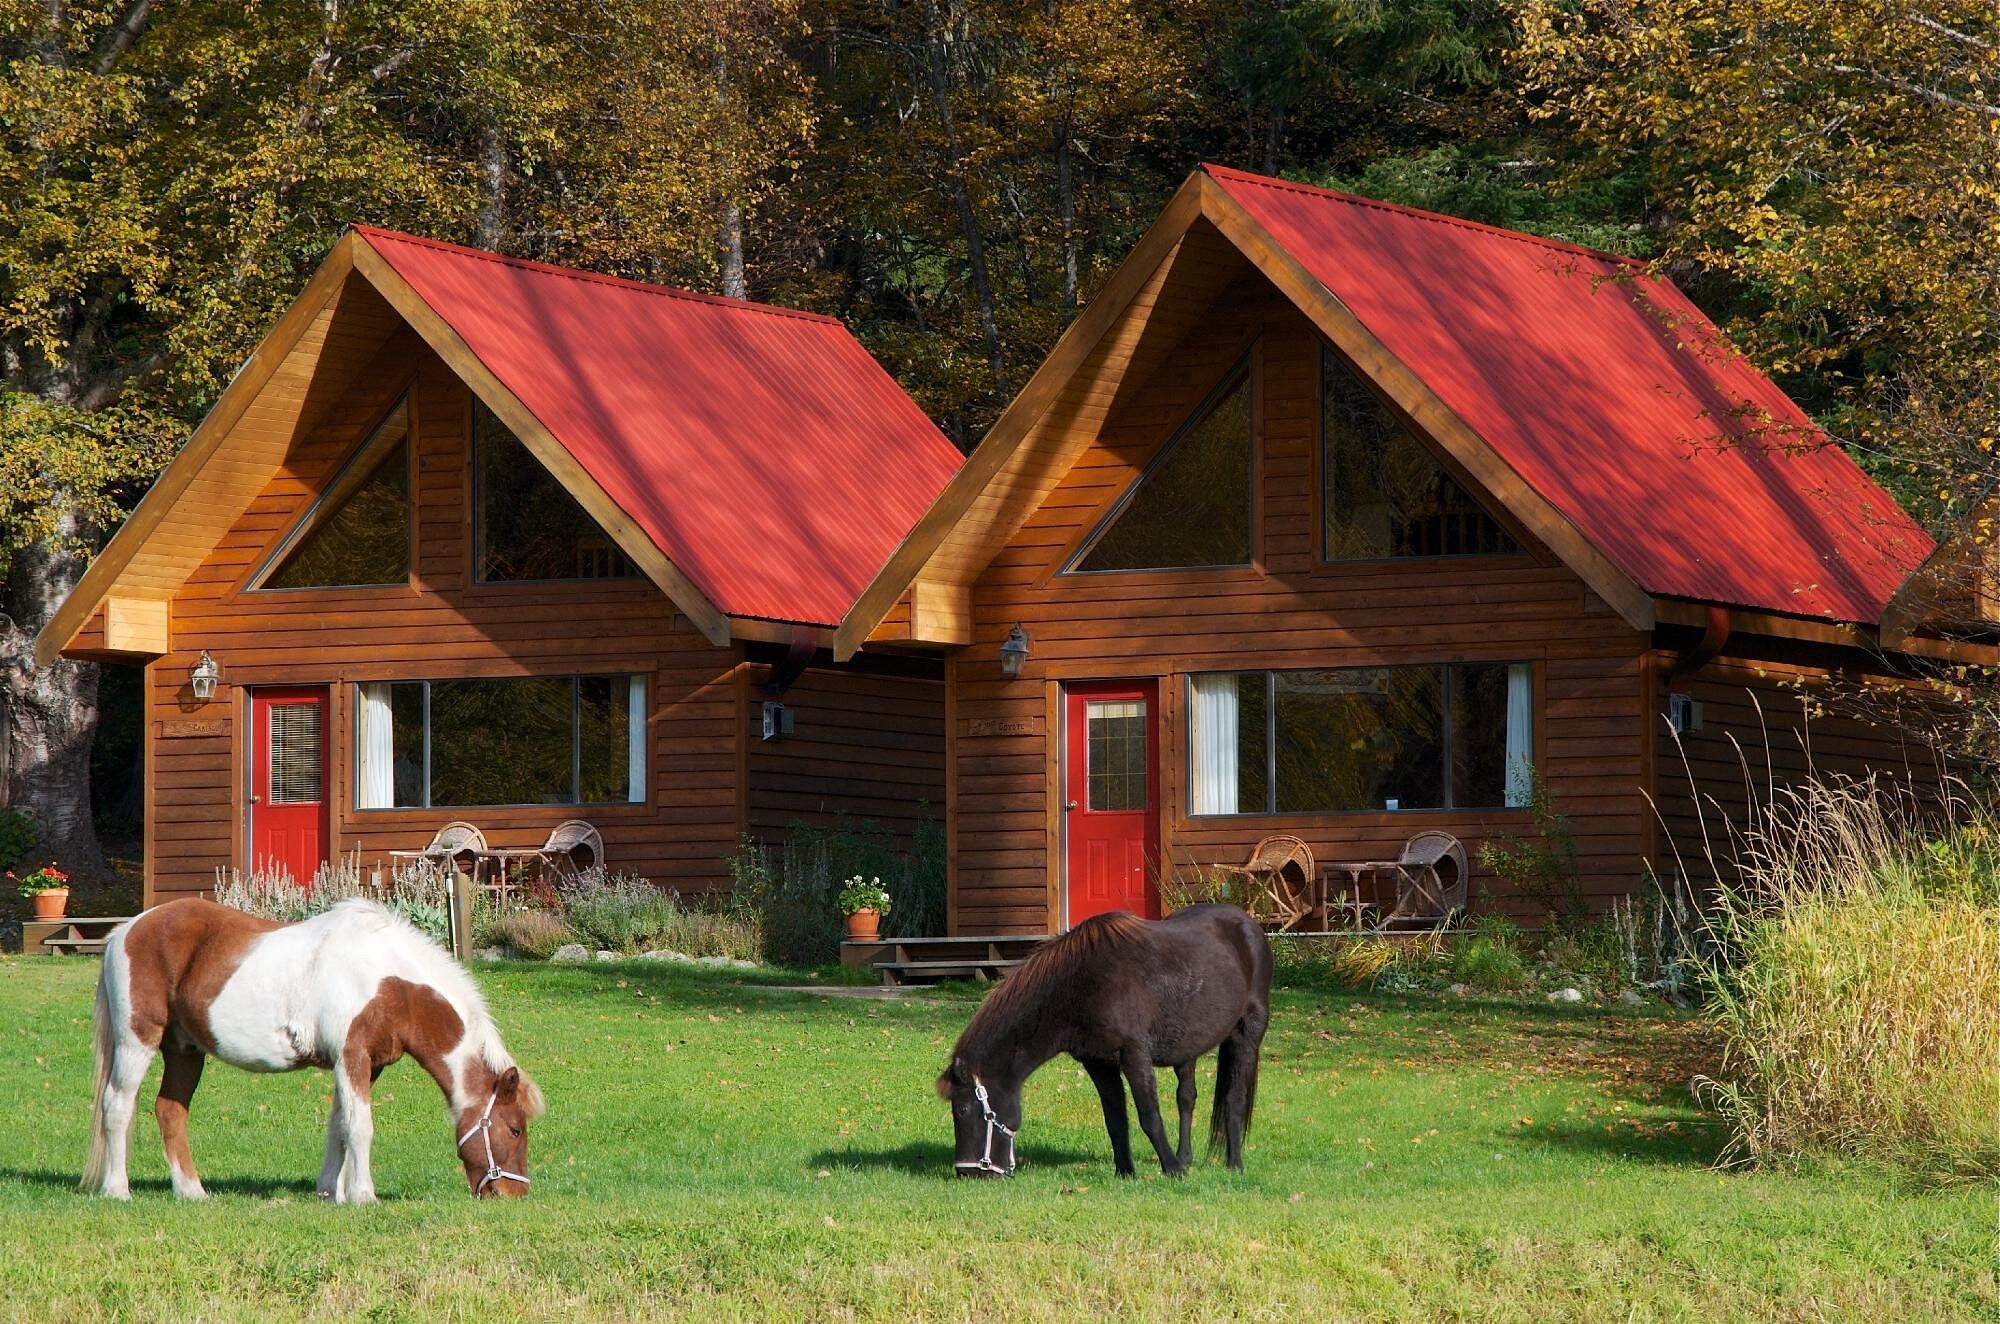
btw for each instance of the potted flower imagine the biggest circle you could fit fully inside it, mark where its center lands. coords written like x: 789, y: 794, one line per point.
x: 48, y: 888
x: 864, y: 902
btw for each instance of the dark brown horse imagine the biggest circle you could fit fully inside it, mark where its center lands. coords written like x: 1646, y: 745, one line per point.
x: 1122, y: 996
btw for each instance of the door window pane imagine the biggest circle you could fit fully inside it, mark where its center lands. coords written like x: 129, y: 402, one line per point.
x: 1191, y: 507
x: 526, y: 525
x: 1479, y: 697
x: 296, y: 759
x: 365, y: 537
x: 603, y: 738
x: 1384, y: 493
x: 1115, y: 740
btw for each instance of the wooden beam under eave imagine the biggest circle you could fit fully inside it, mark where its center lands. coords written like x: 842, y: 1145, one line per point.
x: 940, y: 613
x: 635, y: 542
x: 136, y: 627
x: 1423, y: 407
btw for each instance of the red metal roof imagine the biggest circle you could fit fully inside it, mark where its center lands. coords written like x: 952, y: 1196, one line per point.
x: 1612, y: 396
x: 763, y: 450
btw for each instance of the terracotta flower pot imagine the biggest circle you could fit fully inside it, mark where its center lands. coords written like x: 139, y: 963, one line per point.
x: 52, y: 903
x: 864, y: 925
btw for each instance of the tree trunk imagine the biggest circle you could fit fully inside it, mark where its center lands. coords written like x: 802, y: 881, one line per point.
x: 731, y: 241
x: 961, y: 195
x: 1066, y: 203
x: 493, y: 160
x: 50, y: 714
x: 1274, y: 136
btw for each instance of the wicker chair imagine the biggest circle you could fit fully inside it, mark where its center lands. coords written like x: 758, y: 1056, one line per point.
x: 1431, y: 878
x: 570, y: 839
x: 451, y: 841
x: 1278, y: 881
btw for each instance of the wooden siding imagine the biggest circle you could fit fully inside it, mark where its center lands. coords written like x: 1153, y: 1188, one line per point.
x: 439, y: 625
x: 867, y: 749
x: 1763, y: 729
x: 1289, y: 611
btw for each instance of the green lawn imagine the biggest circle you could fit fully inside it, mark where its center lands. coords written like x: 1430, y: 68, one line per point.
x: 718, y: 1150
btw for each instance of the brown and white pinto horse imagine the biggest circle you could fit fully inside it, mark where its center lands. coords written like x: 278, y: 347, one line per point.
x: 351, y: 990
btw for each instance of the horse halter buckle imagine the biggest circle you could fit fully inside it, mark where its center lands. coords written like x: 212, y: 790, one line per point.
x: 484, y: 1128
x: 985, y: 1161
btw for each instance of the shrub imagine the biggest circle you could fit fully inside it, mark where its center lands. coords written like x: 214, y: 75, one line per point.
x: 1861, y: 1013
x: 1490, y: 958
x: 1199, y: 884
x: 1542, y: 867
x: 533, y: 933
x: 796, y: 894
x: 418, y: 891
x: 624, y: 913
x: 17, y: 835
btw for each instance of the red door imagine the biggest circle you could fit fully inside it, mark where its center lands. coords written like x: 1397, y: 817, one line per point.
x: 1111, y: 797
x: 288, y: 780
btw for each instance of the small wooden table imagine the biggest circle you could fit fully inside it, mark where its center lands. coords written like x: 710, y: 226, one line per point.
x: 501, y: 859
x: 1353, y: 872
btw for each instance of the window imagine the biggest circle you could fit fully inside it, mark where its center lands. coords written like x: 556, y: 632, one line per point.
x: 358, y: 531
x: 1118, y: 772
x: 1383, y: 493
x: 513, y: 741
x: 1306, y: 742
x: 526, y: 525
x: 1191, y: 506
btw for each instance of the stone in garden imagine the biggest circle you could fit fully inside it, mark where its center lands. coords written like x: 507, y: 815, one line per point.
x: 1630, y: 998
x: 570, y: 953
x: 713, y: 960
x: 607, y: 956
x: 1565, y: 995
x: 1460, y: 990
x: 740, y: 964
x: 490, y: 954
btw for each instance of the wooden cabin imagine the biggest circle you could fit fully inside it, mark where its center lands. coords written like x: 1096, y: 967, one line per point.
x: 470, y: 538
x: 1334, y: 518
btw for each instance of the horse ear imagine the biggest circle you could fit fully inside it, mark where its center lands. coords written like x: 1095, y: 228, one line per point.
x: 509, y: 1086
x: 944, y: 1086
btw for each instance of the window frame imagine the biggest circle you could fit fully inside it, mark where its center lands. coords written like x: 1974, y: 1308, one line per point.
x: 475, y: 520
x: 575, y: 744
x: 1445, y: 743
x: 1243, y: 371
x: 1326, y: 562
x: 315, y: 515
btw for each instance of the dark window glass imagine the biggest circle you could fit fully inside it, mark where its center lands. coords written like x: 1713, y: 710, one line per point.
x: 365, y: 537
x: 1354, y: 739
x: 525, y: 524
x: 1359, y: 739
x: 603, y: 737
x: 501, y: 742
x: 1385, y: 494
x: 406, y: 721
x: 1191, y: 507
x: 1117, y: 753
x: 1478, y: 735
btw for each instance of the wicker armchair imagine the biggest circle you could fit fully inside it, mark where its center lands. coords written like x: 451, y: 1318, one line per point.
x: 1278, y: 881
x: 1431, y: 878
x: 451, y: 841
x: 571, y: 839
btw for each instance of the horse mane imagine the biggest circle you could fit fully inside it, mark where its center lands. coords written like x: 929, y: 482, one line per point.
x: 436, y: 967
x: 1054, y: 964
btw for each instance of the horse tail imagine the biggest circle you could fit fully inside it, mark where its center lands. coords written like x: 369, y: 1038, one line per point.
x: 104, y: 1044
x: 1235, y: 1069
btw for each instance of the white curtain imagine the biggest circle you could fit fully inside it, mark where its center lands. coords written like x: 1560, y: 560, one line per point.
x: 635, y: 742
x: 1212, y: 743
x: 1520, y: 733
x: 375, y: 749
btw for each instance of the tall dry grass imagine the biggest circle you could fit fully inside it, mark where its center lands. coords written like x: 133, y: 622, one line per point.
x: 1859, y: 994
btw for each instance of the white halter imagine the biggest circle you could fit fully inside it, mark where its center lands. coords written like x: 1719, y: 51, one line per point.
x: 985, y: 1161
x: 484, y: 1127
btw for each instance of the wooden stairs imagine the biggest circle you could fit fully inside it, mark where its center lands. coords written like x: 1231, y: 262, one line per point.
x: 934, y: 960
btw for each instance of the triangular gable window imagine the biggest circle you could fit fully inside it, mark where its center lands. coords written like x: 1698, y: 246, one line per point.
x: 526, y: 525
x: 358, y: 532
x: 1384, y: 493
x: 1191, y: 507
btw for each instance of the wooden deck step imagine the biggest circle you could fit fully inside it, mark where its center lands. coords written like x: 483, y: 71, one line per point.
x: 68, y: 937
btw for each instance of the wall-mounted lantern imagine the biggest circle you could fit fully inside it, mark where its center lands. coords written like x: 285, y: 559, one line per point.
x: 203, y: 677
x: 1014, y: 651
